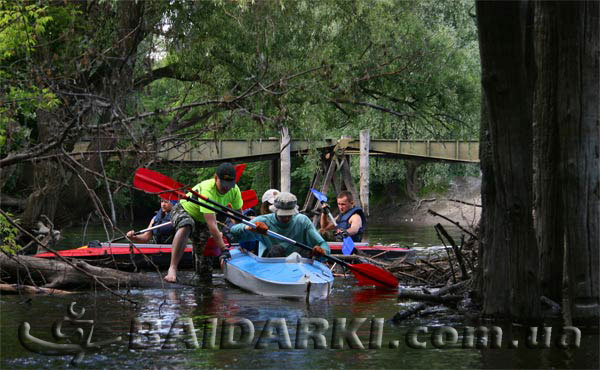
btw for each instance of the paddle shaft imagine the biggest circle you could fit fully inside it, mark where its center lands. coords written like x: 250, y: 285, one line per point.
x: 140, y: 232
x: 328, y: 211
x: 243, y: 219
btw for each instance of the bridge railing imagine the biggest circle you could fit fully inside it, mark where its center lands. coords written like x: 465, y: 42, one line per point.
x: 210, y: 150
x: 207, y: 152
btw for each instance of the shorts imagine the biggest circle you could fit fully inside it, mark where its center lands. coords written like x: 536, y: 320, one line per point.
x: 199, y: 234
x: 180, y: 218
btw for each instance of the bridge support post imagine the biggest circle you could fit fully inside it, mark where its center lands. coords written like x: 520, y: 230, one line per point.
x: 286, y: 161
x: 365, y: 143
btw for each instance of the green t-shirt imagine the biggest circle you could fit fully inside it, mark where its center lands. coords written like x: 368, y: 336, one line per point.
x: 208, y: 188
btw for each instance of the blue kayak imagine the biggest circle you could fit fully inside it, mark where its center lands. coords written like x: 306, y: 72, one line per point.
x: 287, y: 277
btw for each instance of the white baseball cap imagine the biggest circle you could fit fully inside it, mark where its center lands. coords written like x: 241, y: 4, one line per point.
x: 270, y: 195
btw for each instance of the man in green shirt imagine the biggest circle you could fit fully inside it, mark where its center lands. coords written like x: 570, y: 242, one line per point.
x: 285, y: 220
x: 198, y: 223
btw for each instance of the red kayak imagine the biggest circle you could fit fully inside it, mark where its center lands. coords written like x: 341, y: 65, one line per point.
x: 127, y: 256
x: 378, y: 250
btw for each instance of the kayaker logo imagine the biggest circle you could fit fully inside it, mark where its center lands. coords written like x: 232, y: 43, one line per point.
x: 77, y: 344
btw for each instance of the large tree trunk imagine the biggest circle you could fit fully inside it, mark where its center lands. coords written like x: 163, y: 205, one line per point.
x: 55, y: 192
x: 510, y: 271
x: 49, y: 176
x: 488, y: 195
x: 546, y: 153
x: 577, y: 106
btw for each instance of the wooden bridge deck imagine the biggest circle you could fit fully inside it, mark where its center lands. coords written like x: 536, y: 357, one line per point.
x: 210, y: 151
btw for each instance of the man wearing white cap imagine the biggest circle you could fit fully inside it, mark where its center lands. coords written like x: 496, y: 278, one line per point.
x: 287, y: 221
x: 268, y: 199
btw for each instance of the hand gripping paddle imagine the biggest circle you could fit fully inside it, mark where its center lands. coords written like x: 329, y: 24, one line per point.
x: 348, y: 245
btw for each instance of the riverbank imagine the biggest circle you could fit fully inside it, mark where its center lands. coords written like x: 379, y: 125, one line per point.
x: 394, y: 209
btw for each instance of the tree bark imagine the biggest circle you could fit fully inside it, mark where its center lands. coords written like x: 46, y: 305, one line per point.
x: 30, y: 290
x: 488, y: 194
x: 546, y: 153
x: 510, y: 270
x: 49, y: 177
x: 577, y: 105
x: 57, y: 274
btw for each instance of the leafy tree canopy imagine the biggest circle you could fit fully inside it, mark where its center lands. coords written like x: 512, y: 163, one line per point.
x: 153, y: 71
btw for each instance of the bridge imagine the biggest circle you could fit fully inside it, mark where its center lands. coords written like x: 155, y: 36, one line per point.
x: 204, y: 153
x: 335, y: 158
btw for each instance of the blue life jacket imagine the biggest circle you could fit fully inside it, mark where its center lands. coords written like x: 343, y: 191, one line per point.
x: 342, y: 221
x: 163, y: 235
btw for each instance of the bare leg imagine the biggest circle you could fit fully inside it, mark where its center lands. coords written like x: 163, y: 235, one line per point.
x: 177, y: 250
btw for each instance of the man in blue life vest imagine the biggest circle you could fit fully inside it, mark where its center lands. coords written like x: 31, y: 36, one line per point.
x: 162, y: 235
x: 351, y: 220
x: 199, y: 223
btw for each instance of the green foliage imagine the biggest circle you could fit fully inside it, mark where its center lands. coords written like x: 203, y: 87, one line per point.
x: 8, y: 236
x: 310, y: 56
x: 20, y: 23
x: 25, y: 29
x: 241, y: 69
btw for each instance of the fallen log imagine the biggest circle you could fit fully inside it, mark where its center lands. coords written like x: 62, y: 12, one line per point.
x: 430, y: 297
x: 58, y: 274
x: 31, y: 290
x: 401, y: 315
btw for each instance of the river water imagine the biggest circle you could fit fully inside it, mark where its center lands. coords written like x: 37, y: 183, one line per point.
x: 167, y: 314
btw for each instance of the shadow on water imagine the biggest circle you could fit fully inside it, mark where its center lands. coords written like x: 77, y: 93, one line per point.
x: 160, y: 309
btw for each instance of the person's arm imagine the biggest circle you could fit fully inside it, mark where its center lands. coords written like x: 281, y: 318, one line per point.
x: 241, y: 232
x: 238, y: 231
x: 142, y: 238
x: 211, y: 223
x: 355, y: 224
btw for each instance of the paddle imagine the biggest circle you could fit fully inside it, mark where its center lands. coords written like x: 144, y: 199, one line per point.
x: 348, y: 245
x: 250, y: 198
x: 154, y: 182
x: 239, y: 170
x: 140, y: 232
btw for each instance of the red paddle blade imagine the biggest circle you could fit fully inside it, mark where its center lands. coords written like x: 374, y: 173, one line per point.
x: 372, y: 275
x: 239, y: 170
x: 250, y: 198
x: 157, y: 183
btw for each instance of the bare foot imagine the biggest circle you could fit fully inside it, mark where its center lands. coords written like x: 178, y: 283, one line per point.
x: 171, y: 276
